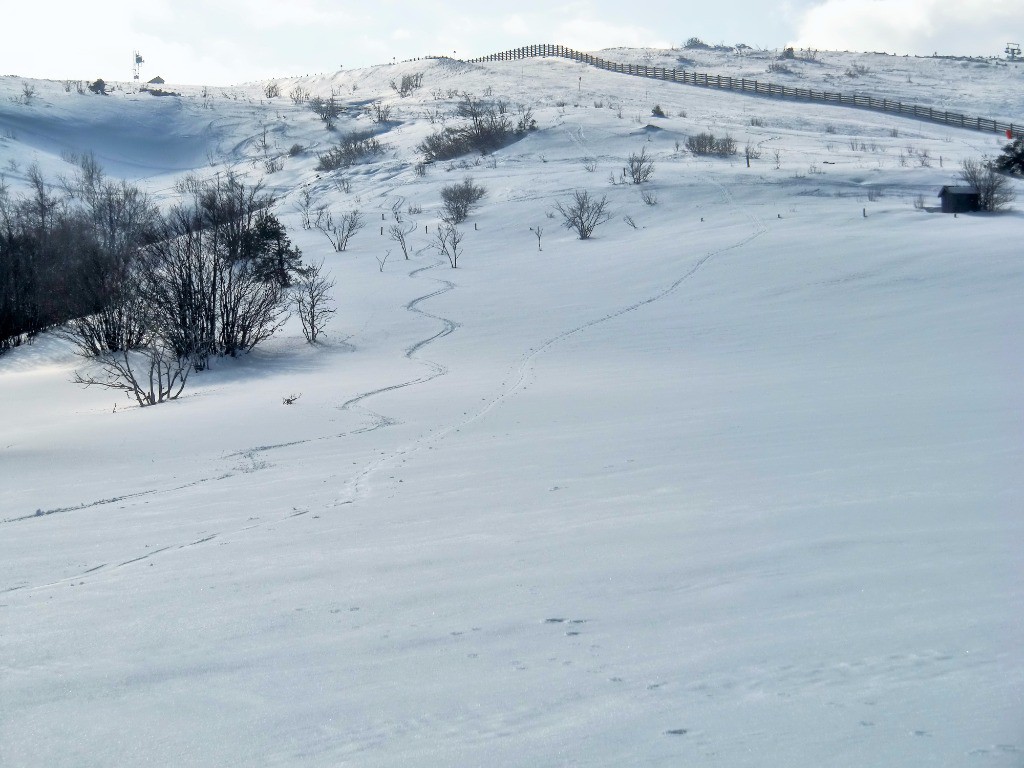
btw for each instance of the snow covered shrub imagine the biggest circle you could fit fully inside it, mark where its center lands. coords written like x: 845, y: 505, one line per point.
x: 641, y: 167
x: 657, y: 111
x: 328, y: 110
x: 408, y: 85
x: 584, y: 213
x: 996, y: 189
x: 98, y: 86
x: 707, y: 144
x: 459, y: 200
x: 351, y: 148
x: 490, y: 127
x: 271, y: 90
x: 379, y: 112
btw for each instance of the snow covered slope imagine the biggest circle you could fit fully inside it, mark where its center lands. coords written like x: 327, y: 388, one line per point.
x: 734, y: 483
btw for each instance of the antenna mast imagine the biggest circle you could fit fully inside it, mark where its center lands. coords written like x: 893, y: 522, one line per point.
x: 136, y: 64
x: 1013, y: 50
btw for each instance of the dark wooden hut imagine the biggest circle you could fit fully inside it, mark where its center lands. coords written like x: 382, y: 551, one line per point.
x: 960, y: 199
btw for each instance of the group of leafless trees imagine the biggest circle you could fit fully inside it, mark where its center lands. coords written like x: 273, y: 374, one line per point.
x: 148, y: 296
x: 64, y: 250
x: 488, y: 126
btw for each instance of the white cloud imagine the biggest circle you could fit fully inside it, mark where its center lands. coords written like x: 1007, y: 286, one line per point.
x: 976, y: 27
x: 590, y: 33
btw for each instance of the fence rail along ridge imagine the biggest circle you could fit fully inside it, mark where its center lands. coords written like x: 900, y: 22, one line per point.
x: 743, y: 85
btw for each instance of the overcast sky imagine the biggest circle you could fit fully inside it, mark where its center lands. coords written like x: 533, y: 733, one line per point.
x: 220, y: 42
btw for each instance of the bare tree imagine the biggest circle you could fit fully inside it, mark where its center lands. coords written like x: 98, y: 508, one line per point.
x: 341, y: 232
x: 151, y: 375
x: 313, y: 301
x: 539, y: 232
x: 751, y: 152
x: 584, y: 213
x: 400, y: 235
x: 271, y: 90
x: 305, y: 206
x: 641, y: 167
x: 995, y: 189
x: 448, y: 241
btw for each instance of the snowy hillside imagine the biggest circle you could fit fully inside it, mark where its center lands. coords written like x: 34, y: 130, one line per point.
x: 737, y: 482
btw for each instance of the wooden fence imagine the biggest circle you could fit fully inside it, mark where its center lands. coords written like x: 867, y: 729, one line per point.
x: 743, y: 85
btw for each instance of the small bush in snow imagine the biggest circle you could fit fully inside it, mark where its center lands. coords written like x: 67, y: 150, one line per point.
x: 584, y: 213
x: 353, y: 147
x: 408, y: 84
x: 490, y: 127
x: 459, y: 200
x: 707, y: 144
x: 641, y: 167
x: 328, y: 110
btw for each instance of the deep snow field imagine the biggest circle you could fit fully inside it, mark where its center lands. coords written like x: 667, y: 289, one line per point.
x: 739, y: 484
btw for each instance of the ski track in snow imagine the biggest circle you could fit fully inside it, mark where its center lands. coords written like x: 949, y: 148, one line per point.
x: 355, y: 488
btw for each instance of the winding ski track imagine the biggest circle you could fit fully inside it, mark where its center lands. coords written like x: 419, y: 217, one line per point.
x: 356, y: 488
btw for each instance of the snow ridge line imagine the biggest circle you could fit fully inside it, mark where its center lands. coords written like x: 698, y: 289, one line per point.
x: 758, y: 88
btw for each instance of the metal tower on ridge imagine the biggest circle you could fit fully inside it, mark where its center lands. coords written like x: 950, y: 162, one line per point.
x: 136, y: 64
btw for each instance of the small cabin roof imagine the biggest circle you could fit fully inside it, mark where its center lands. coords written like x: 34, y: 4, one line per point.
x: 949, y: 189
